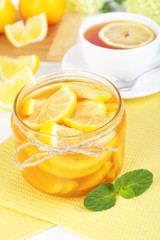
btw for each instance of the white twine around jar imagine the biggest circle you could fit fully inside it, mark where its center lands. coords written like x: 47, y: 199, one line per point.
x: 87, y: 147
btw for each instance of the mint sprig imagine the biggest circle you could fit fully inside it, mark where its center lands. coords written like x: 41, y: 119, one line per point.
x: 137, y: 182
x: 101, y: 198
x: 129, y: 185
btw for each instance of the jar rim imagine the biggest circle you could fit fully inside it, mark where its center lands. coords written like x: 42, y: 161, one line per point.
x: 52, y: 74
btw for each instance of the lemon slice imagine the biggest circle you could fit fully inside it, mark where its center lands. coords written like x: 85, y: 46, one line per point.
x: 69, y: 186
x: 89, y: 92
x: 87, y: 116
x: 37, y: 27
x: 23, y: 77
x: 61, y: 104
x: 89, y: 108
x: 30, y: 105
x: 126, y: 34
x: 111, y: 109
x: 96, y: 177
x: 86, y: 124
x: 54, y: 129
x: 7, y: 95
x: 10, y: 66
x: 35, y: 30
x: 76, y: 165
x: 32, y: 61
x: 8, y: 91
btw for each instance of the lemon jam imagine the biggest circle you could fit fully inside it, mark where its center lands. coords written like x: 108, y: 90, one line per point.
x: 65, y: 109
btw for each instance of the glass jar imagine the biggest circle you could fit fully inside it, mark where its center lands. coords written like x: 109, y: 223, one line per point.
x: 70, y: 173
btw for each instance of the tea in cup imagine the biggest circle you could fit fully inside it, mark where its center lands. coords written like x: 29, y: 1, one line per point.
x: 120, y: 45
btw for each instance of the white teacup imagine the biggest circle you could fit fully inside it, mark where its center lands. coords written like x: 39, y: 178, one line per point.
x: 124, y: 65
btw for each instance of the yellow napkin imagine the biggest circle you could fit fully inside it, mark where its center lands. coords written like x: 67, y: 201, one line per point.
x: 134, y: 219
x: 15, y: 225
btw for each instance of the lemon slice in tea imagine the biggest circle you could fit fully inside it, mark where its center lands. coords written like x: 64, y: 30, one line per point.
x: 126, y: 35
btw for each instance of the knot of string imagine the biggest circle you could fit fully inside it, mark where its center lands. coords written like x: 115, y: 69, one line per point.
x: 88, y: 147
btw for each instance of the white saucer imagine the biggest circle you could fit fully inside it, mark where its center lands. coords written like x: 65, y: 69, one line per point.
x: 147, y: 84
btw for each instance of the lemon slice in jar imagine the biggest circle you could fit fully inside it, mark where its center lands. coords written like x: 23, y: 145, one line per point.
x: 87, y: 116
x: 59, y: 105
x: 51, y: 128
x: 86, y: 124
x: 89, y: 92
x: 88, y: 108
x: 31, y: 105
x: 126, y: 35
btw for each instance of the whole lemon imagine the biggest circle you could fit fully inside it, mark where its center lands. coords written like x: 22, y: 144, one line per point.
x: 8, y: 14
x: 54, y: 9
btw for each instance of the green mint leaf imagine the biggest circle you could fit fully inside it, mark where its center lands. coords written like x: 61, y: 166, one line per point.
x: 127, y: 193
x: 101, y: 198
x: 118, y: 1
x: 105, y: 7
x: 137, y: 181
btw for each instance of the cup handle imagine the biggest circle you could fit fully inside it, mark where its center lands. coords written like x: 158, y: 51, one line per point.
x: 156, y: 62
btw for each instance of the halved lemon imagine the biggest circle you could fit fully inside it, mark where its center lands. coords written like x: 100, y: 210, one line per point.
x: 32, y: 61
x: 88, y: 108
x: 89, y: 92
x: 54, y: 129
x: 35, y: 30
x: 60, y: 104
x: 87, y: 124
x: 8, y: 91
x: 10, y: 66
x: 126, y: 34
